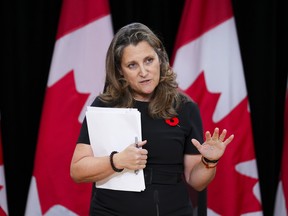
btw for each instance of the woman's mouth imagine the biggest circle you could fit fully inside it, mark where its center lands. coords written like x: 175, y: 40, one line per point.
x: 145, y: 81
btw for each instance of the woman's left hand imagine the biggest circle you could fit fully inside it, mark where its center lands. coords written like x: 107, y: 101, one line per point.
x: 214, y: 146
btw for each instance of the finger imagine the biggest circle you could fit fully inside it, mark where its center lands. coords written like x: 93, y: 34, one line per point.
x: 141, y: 162
x: 222, y: 135
x: 143, y: 151
x: 142, y: 143
x: 207, y: 135
x: 229, y: 139
x: 215, y: 134
x: 196, y: 143
x: 141, y: 166
x: 144, y: 157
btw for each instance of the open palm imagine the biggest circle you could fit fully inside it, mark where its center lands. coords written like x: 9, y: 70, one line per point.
x: 214, y: 146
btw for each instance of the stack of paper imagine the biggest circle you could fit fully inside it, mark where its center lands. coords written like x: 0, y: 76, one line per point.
x: 113, y: 129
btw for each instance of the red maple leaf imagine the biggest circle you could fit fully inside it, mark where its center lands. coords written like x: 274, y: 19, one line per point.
x: 59, y: 130
x: 230, y: 193
x: 2, y: 212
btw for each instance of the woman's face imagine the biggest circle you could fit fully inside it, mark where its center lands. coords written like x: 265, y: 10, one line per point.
x: 140, y: 67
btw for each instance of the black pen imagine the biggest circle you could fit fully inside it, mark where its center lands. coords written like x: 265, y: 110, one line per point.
x: 136, y: 144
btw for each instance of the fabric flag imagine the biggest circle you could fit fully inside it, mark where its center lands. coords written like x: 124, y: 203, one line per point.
x: 209, y: 69
x: 3, y: 198
x: 281, y: 203
x: 76, y: 76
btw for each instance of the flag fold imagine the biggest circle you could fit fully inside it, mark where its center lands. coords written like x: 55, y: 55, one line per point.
x: 209, y: 69
x: 76, y: 76
x: 281, y: 202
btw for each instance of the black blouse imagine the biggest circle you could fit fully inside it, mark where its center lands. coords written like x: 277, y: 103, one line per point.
x: 166, y: 144
x: 166, y: 147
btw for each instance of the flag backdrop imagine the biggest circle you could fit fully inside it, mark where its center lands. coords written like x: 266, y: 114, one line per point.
x: 76, y: 76
x: 281, y: 203
x: 3, y: 198
x: 208, y: 65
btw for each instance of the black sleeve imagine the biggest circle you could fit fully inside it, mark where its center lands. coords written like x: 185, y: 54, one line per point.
x: 196, y: 128
x: 83, y: 136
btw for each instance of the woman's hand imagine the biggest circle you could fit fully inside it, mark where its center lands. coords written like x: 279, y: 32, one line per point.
x: 132, y: 158
x: 213, y: 147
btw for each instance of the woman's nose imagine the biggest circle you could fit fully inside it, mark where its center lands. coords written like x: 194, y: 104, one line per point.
x: 143, y: 71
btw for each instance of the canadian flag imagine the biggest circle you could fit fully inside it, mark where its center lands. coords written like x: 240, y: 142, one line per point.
x: 3, y: 198
x: 208, y: 65
x: 76, y: 76
x: 281, y: 203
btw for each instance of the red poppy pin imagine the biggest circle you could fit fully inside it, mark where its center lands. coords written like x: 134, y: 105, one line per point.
x: 172, y: 122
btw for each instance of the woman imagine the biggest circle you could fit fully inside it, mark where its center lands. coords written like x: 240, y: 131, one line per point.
x: 138, y: 75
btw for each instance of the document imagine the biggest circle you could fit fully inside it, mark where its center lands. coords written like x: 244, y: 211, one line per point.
x: 113, y: 129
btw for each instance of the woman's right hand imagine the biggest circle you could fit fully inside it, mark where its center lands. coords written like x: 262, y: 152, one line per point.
x: 132, y: 158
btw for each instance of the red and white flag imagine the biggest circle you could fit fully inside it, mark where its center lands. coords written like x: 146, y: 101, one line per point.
x: 3, y: 198
x: 209, y: 68
x: 76, y: 76
x: 281, y: 203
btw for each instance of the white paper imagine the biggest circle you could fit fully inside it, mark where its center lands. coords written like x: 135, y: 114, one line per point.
x: 113, y: 129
